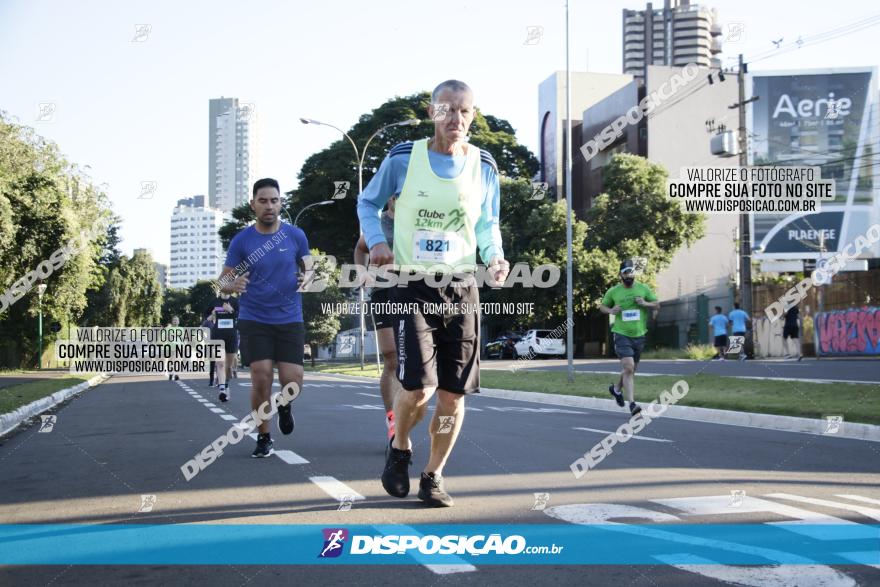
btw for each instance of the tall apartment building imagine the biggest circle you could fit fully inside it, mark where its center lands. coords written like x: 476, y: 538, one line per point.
x: 675, y: 35
x: 231, y: 152
x: 196, y: 252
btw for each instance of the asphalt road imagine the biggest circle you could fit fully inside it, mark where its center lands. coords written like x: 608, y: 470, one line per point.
x: 861, y: 370
x: 128, y: 437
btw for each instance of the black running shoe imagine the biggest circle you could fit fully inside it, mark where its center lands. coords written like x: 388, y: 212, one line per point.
x: 618, y: 397
x: 634, y: 408
x: 224, y: 396
x: 177, y: 377
x: 285, y: 418
x: 395, y: 477
x: 170, y: 377
x: 264, y: 446
x: 432, y: 493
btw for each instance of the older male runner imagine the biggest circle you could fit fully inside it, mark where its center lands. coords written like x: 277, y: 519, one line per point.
x: 447, y: 209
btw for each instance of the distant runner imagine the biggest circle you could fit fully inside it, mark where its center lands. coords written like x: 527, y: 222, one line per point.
x: 628, y: 302
x: 719, y: 322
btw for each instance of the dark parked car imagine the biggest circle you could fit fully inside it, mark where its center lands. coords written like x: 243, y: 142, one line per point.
x: 502, y: 347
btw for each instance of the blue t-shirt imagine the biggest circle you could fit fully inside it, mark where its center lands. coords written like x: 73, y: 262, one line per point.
x: 273, y: 263
x: 389, y: 181
x: 719, y: 324
x: 739, y: 319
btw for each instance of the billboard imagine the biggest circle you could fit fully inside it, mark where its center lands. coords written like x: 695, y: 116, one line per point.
x: 826, y: 118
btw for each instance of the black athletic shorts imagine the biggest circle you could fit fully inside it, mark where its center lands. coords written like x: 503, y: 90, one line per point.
x: 721, y: 340
x: 790, y: 331
x: 379, y: 301
x: 628, y: 346
x: 229, y: 338
x: 438, y: 349
x: 282, y: 343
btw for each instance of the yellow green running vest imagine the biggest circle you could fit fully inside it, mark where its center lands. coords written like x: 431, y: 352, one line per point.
x: 435, y: 218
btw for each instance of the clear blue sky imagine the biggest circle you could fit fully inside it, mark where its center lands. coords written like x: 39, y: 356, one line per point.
x: 138, y: 111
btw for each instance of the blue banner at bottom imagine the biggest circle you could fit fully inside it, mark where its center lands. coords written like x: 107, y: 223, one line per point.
x: 555, y: 544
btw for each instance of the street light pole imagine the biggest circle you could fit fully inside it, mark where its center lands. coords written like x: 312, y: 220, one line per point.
x: 41, y: 289
x: 359, y: 156
x: 569, y: 306
x: 321, y: 203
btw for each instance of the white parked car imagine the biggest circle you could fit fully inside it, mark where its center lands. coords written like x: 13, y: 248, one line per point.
x: 535, y: 343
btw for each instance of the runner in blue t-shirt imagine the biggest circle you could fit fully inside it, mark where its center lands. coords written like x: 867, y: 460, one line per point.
x: 739, y: 321
x: 719, y: 322
x: 261, y: 266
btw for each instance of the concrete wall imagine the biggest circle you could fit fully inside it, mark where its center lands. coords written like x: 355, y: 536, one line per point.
x: 677, y: 137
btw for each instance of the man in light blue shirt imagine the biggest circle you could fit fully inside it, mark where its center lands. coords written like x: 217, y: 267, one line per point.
x: 739, y: 322
x: 719, y: 323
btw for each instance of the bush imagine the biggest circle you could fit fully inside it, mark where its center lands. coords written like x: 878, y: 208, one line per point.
x: 700, y: 352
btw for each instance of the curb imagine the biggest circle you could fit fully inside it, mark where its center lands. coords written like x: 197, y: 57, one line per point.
x: 11, y: 420
x: 850, y: 430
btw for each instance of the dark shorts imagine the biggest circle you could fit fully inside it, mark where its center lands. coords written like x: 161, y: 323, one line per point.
x: 721, y: 340
x: 739, y: 333
x: 627, y: 346
x: 282, y: 343
x: 790, y: 331
x: 438, y: 350
x: 229, y: 338
x: 379, y: 300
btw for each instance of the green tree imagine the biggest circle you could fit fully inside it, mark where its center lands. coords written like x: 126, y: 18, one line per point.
x: 635, y: 217
x: 135, y: 295
x: 201, y: 295
x: 335, y: 228
x: 322, y: 326
x: 44, y: 203
x: 176, y: 303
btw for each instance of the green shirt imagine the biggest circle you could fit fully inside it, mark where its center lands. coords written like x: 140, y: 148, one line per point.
x: 633, y: 318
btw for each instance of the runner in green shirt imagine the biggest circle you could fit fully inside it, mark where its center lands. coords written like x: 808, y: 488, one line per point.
x: 628, y: 302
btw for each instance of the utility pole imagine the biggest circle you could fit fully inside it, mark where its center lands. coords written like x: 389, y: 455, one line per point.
x: 745, y: 246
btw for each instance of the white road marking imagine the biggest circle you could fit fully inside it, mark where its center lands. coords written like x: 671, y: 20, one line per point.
x: 772, y: 575
x: 859, y: 498
x: 636, y: 436
x: 218, y: 410
x: 872, y: 513
x: 535, y: 410
x: 290, y: 457
x: 253, y: 435
x: 336, y: 488
x: 445, y: 569
x: 203, y: 400
x: 369, y: 394
x: 248, y: 384
x: 229, y: 417
x: 364, y: 407
x: 210, y: 405
x: 763, y: 576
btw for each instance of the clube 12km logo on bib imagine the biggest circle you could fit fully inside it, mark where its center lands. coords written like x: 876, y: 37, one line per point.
x: 335, y: 539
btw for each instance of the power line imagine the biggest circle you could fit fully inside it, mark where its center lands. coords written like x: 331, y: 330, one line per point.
x: 817, y: 38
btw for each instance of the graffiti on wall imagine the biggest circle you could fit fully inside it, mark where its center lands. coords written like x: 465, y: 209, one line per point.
x: 855, y: 331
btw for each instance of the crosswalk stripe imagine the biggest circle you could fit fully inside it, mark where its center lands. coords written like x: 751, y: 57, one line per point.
x: 218, y: 410
x: 336, y: 488
x: 290, y: 457
x: 859, y: 498
x: 444, y: 569
x: 859, y: 509
x: 228, y: 417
